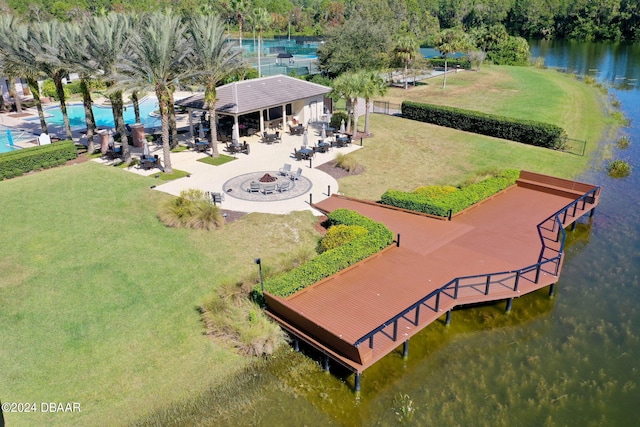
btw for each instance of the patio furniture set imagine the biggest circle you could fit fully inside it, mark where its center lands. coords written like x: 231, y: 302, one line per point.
x: 271, y: 138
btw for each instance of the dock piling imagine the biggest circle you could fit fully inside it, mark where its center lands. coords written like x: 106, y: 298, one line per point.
x: 552, y: 290
x: 405, y: 349
x: 509, y: 304
x: 447, y: 321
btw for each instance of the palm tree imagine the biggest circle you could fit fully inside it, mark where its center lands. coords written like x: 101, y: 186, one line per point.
x: 406, y: 51
x: 75, y: 45
x: 372, y: 84
x: 344, y: 87
x: 15, y: 55
x: 158, y: 51
x: 44, y: 41
x: 107, y: 38
x: 213, y: 59
x: 449, y: 42
x: 261, y: 20
x: 239, y: 8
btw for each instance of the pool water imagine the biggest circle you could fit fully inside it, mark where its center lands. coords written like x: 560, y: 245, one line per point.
x: 103, y: 115
x: 17, y: 136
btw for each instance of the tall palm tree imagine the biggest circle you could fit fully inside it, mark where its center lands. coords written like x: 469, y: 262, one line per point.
x: 107, y: 38
x: 239, y: 8
x: 344, y: 87
x: 449, y: 42
x: 372, y: 84
x: 44, y: 41
x: 158, y: 51
x: 75, y: 45
x: 261, y: 20
x: 213, y: 59
x: 17, y: 56
x: 406, y: 51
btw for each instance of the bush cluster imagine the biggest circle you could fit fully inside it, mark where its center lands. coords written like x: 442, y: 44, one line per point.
x: 18, y: 162
x: 524, y: 131
x: 440, y: 203
x: 192, y: 209
x: 340, y: 234
x: 451, y: 63
x: 334, y: 260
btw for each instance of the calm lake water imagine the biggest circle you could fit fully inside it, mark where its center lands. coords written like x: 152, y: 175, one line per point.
x: 567, y: 361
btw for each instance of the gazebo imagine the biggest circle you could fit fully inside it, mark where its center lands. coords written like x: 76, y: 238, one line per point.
x: 257, y: 104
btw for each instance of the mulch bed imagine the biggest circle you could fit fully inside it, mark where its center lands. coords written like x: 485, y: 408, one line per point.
x: 232, y: 216
x: 330, y: 168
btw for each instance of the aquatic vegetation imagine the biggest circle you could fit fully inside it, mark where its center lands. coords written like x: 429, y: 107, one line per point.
x: 619, y: 169
x: 623, y: 142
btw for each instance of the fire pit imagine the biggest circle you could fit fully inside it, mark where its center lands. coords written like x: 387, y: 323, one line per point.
x: 268, y: 178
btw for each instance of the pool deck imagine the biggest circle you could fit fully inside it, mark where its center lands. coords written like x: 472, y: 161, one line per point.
x: 366, y: 311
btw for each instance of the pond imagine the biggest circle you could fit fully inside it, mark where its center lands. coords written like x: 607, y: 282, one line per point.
x: 570, y: 360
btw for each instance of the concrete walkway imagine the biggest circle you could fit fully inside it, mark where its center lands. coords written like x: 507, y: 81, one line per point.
x: 262, y: 157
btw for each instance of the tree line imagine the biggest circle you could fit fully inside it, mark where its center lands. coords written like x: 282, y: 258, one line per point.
x: 551, y: 19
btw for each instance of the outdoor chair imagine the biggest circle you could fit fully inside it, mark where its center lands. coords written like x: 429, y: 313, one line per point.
x: 296, y: 175
x: 284, y: 186
x: 254, y: 187
x: 298, y: 155
x: 215, y: 197
x: 244, y: 148
x: 268, y: 188
x: 285, y: 170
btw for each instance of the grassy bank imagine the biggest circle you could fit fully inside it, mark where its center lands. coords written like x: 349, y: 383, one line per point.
x: 404, y: 154
x: 99, y: 299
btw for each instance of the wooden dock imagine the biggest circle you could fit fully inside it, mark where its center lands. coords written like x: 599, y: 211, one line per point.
x: 503, y: 248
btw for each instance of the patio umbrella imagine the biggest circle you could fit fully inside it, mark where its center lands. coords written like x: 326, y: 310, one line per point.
x: 323, y: 134
x: 236, y: 133
x: 305, y: 138
x: 145, y: 149
x: 201, y: 131
x: 9, y: 137
x: 342, y: 126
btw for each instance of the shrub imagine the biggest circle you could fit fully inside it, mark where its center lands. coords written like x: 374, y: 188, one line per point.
x: 231, y: 317
x: 191, y: 209
x: 347, y: 162
x: 334, y: 260
x: 435, y: 191
x: 339, y: 235
x: 15, y: 163
x: 619, y: 169
x: 455, y: 200
x: 525, y: 131
x: 623, y: 142
x: 337, y: 118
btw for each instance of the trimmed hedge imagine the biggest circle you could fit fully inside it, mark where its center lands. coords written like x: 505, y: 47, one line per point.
x: 18, y: 162
x: 456, y: 201
x: 451, y: 63
x: 334, y: 260
x: 524, y: 131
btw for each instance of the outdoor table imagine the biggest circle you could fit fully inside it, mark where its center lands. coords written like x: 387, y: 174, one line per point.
x: 306, y: 152
x: 201, y: 146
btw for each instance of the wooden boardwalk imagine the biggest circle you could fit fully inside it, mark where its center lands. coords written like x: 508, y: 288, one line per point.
x: 361, y: 314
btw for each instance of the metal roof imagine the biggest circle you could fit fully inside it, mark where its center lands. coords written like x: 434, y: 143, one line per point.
x: 258, y: 94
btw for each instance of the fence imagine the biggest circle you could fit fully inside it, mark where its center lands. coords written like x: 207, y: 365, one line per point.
x: 385, y: 107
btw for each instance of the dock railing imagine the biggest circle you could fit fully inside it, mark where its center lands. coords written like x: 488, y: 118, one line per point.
x: 500, y: 284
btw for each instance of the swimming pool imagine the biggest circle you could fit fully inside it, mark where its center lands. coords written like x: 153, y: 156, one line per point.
x: 103, y: 115
x: 16, y: 135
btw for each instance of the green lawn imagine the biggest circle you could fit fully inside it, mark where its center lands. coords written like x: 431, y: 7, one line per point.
x: 405, y: 154
x: 99, y: 298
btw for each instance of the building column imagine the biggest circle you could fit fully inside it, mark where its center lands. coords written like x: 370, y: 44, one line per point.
x: 284, y: 117
x: 261, y: 122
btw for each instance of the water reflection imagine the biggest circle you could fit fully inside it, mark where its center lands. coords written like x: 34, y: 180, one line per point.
x: 615, y: 63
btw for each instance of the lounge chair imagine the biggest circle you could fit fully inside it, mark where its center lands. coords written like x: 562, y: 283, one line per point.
x: 254, y: 187
x: 297, y: 175
x: 268, y: 188
x: 285, y: 170
x: 284, y: 186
